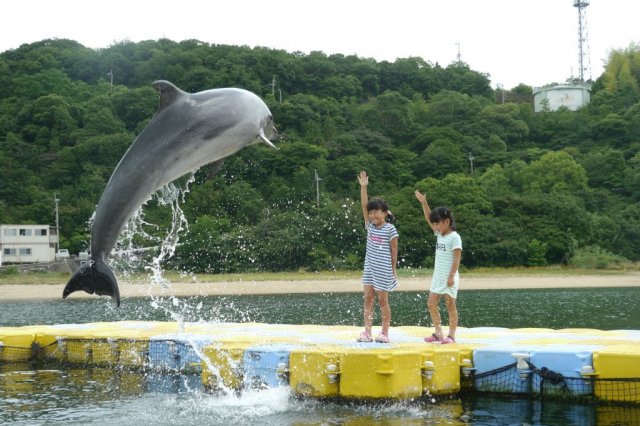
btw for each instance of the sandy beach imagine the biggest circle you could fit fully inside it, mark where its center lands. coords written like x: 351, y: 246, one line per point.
x: 54, y: 291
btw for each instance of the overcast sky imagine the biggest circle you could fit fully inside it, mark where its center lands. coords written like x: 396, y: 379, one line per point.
x: 514, y: 41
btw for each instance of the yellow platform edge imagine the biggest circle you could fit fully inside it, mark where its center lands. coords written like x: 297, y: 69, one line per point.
x: 325, y: 361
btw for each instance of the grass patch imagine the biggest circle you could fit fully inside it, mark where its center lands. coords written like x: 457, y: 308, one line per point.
x: 35, y: 277
x: 595, y: 257
x: 546, y: 270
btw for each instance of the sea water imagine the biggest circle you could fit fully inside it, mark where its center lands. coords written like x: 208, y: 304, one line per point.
x: 599, y: 308
x: 108, y: 396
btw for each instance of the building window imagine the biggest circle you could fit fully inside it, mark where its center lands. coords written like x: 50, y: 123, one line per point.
x: 10, y: 232
x: 10, y: 252
x: 41, y: 232
x: 25, y: 252
x: 25, y: 232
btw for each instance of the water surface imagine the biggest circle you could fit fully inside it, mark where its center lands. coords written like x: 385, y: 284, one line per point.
x: 108, y: 396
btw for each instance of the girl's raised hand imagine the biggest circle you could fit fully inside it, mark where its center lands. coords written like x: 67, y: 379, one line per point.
x: 363, y: 178
x: 420, y: 197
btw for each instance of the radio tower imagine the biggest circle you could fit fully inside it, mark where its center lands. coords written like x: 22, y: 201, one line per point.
x: 583, y: 39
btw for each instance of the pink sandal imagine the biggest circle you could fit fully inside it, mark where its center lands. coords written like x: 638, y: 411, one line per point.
x: 365, y: 337
x: 432, y: 339
x: 448, y: 340
x: 382, y: 338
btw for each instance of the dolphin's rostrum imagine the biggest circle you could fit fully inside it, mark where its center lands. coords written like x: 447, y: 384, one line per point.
x: 187, y: 132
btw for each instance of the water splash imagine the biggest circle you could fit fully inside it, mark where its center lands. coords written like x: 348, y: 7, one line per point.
x: 171, y: 195
x: 129, y: 257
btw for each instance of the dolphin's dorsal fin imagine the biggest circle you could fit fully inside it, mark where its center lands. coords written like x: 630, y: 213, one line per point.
x: 168, y: 93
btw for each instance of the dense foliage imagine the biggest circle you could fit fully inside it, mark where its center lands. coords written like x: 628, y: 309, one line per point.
x: 526, y: 189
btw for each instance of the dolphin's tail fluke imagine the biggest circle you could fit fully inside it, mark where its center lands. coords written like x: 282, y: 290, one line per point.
x: 96, y: 277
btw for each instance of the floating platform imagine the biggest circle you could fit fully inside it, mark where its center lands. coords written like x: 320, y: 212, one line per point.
x: 326, y: 361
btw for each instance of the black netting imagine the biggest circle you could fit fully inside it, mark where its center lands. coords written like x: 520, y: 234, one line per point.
x: 545, y: 383
x: 14, y: 353
x: 126, y: 353
x: 174, y: 355
x: 129, y: 353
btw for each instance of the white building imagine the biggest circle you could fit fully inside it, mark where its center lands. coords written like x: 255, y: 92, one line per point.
x: 571, y: 96
x: 27, y: 243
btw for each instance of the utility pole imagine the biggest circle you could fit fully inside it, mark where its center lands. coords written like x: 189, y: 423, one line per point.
x: 317, y: 180
x: 502, y: 94
x: 57, y: 200
x: 471, y: 158
x: 110, y: 74
x: 458, y: 56
x: 273, y: 89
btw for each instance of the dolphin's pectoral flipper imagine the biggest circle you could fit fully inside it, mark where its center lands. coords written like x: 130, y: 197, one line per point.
x: 94, y: 277
x: 214, y: 168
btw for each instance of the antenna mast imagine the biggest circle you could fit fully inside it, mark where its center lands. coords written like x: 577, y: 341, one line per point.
x: 583, y: 39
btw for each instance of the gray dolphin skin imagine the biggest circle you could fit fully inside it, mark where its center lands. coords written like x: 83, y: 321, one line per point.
x: 187, y: 132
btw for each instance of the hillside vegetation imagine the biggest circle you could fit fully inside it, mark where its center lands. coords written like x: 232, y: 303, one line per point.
x: 526, y: 189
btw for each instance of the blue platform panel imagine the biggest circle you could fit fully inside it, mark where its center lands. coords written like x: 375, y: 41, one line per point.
x: 177, y: 353
x: 558, y: 370
x: 266, y: 366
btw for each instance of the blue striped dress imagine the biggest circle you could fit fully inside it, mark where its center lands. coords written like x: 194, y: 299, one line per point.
x: 377, y: 262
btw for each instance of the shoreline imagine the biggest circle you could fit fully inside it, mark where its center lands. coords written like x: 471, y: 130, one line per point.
x: 10, y: 292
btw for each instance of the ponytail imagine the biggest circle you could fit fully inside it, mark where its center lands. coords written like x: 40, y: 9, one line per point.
x: 391, y: 218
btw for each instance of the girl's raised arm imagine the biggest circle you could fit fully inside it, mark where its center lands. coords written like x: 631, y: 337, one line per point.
x: 425, y: 208
x: 363, y: 179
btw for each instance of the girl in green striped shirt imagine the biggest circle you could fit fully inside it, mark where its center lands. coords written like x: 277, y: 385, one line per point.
x: 445, y: 271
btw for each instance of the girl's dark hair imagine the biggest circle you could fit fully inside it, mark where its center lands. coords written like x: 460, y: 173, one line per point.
x: 382, y: 205
x: 441, y: 213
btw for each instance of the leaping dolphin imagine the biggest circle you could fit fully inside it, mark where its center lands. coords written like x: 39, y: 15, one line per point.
x: 186, y: 132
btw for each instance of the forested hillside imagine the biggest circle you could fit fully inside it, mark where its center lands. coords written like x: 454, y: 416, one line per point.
x: 525, y: 188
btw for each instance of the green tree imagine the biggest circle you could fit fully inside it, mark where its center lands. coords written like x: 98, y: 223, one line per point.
x: 555, y: 172
x: 440, y: 158
x: 605, y: 168
x: 622, y: 75
x: 495, y: 182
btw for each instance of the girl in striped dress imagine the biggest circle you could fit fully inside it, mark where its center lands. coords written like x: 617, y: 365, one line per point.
x: 379, y: 276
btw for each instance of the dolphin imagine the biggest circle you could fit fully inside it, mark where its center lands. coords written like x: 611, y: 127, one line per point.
x: 187, y: 132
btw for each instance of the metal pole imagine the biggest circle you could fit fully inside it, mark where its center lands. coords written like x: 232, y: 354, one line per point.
x: 57, y: 200
x: 317, y: 179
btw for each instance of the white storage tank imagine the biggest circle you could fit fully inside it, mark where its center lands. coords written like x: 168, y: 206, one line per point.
x: 571, y: 96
